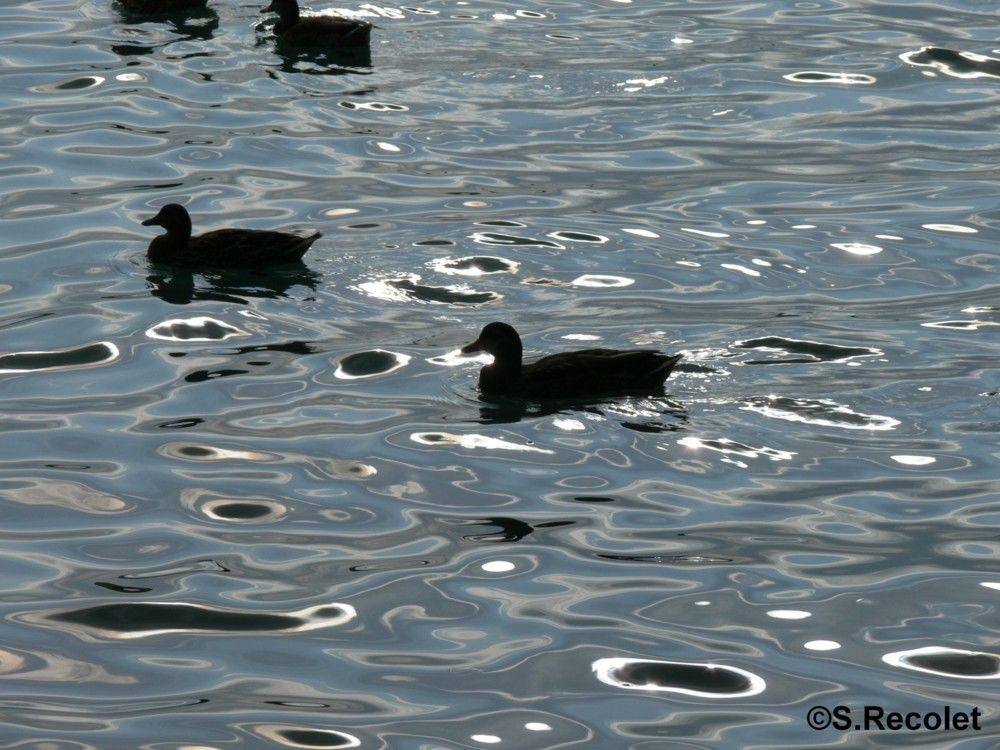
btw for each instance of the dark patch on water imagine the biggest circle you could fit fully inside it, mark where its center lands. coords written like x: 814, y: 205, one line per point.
x: 579, y: 237
x: 960, y: 665
x: 819, y: 76
x: 511, y: 530
x: 144, y: 619
x: 118, y: 589
x: 200, y: 376
x: 365, y: 364
x: 955, y: 63
x: 297, y: 348
x: 181, y: 424
x: 670, y: 559
x: 824, y: 412
x: 495, y: 238
x: 686, y: 676
x: 198, y: 566
x: 448, y: 295
x: 475, y: 265
x: 853, y: 204
x: 305, y: 738
x: 241, y: 511
x: 149, y: 616
x: 84, y: 356
x: 811, y: 351
x: 316, y: 738
x: 650, y: 427
x: 706, y: 680
x: 949, y: 662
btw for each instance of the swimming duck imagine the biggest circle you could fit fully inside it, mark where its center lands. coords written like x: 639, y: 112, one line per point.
x: 567, y: 374
x: 317, y: 31
x: 222, y: 248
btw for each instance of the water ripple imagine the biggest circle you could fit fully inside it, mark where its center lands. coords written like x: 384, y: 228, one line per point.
x: 801, y: 198
x: 824, y: 412
x: 145, y: 619
x: 697, y: 680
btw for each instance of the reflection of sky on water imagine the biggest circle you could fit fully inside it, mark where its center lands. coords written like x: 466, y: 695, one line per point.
x: 822, y: 412
x: 800, y: 200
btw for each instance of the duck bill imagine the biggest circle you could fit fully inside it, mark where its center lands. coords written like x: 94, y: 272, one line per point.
x: 472, y: 348
x: 270, y: 8
x: 155, y: 221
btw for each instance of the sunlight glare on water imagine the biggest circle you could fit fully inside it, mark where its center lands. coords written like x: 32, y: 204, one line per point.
x: 268, y: 507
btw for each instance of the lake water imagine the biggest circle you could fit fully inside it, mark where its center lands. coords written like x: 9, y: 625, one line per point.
x: 254, y: 510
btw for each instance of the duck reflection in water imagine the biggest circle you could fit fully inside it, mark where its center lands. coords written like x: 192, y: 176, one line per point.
x: 649, y: 417
x: 236, y: 285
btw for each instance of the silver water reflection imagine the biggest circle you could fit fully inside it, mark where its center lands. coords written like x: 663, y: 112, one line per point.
x: 799, y: 198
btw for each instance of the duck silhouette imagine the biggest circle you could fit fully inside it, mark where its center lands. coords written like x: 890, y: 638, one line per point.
x: 317, y: 31
x: 223, y: 248
x: 584, y: 372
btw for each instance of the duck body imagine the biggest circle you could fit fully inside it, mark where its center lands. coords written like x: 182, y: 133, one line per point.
x: 223, y: 248
x: 567, y: 374
x: 318, y: 31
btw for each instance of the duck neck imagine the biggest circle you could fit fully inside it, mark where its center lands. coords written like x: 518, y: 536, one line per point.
x: 165, y: 247
x: 288, y: 12
x: 507, y: 361
x: 179, y: 231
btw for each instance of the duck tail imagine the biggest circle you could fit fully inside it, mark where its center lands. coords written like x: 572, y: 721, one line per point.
x: 297, y: 250
x: 666, y: 366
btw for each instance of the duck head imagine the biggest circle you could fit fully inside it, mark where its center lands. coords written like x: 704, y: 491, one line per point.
x: 500, y: 340
x: 174, y: 218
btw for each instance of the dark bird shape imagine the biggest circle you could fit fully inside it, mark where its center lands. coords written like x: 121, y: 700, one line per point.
x: 223, y: 248
x: 317, y: 31
x: 567, y: 374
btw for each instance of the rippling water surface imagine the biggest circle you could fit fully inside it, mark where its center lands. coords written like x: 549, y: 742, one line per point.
x: 269, y: 509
